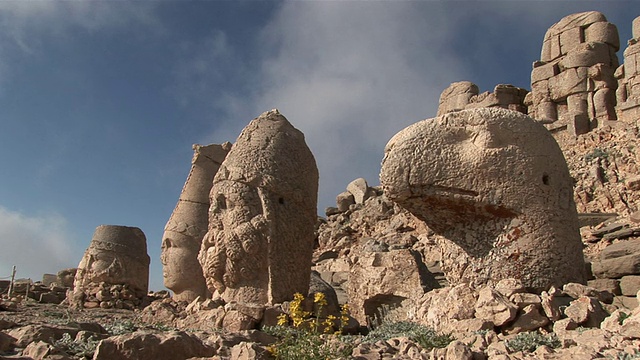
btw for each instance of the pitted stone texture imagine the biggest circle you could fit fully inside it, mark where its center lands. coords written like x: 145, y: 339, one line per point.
x: 188, y: 224
x: 393, y: 279
x: 628, y: 75
x: 573, y: 85
x: 262, y: 215
x: 117, y: 256
x: 466, y: 95
x: 495, y: 185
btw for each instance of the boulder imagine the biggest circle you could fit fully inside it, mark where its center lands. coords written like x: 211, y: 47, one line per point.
x: 147, y: 345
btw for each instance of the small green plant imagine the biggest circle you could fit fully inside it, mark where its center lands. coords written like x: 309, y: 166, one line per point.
x: 120, y: 328
x: 626, y: 356
x: 426, y: 337
x: 597, y: 153
x: 622, y: 316
x: 530, y: 341
x: 303, y: 340
x: 80, y: 349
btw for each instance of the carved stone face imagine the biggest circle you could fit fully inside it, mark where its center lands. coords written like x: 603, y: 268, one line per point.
x: 179, y: 262
x: 235, y: 247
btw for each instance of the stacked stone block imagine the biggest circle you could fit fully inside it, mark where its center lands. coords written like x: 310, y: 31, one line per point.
x: 466, y: 95
x: 573, y: 84
x: 628, y: 75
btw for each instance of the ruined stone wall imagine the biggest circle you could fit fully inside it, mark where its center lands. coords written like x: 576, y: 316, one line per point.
x: 628, y: 75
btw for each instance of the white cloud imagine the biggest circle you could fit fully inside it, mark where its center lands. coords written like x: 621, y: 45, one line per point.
x: 34, y: 244
x: 350, y: 75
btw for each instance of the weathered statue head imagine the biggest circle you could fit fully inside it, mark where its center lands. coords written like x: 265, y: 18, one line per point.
x: 263, y: 210
x: 187, y: 225
x: 118, y: 256
x: 495, y: 183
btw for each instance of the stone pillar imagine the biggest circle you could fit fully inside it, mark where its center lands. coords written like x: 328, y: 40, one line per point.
x: 188, y: 223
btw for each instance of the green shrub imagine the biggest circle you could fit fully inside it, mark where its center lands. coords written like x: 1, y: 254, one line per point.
x: 426, y: 337
x: 78, y: 349
x: 530, y: 341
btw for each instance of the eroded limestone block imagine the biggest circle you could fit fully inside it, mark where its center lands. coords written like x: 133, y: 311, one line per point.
x: 262, y: 215
x: 495, y: 185
x: 465, y: 95
x: 188, y: 223
x: 114, y: 268
x: 573, y: 85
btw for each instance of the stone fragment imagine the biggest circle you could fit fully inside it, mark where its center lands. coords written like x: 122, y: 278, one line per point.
x: 262, y: 216
x: 618, y: 260
x: 633, y: 183
x: 528, y: 319
x: 344, y: 200
x: 147, y: 345
x: 630, y: 285
x: 509, y: 287
x: 188, y: 224
x: 435, y: 310
x: 635, y: 217
x: 66, y: 277
x: 586, y: 311
x: 609, y: 285
x: 497, y: 189
x: 495, y: 307
x: 32, y: 333
x: 465, y: 95
x: 7, y: 342
x: 389, y: 279
x: 117, y: 255
x: 578, y: 290
x: 360, y: 190
x: 522, y: 300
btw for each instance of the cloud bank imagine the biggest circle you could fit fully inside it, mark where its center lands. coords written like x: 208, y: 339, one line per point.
x: 35, y: 244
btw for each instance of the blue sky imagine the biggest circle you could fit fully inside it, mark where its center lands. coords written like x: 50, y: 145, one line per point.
x: 101, y: 101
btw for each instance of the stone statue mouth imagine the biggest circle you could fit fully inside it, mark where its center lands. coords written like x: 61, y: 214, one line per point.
x: 446, y: 191
x: 460, y: 201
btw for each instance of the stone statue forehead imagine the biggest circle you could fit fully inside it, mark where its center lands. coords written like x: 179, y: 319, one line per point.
x: 272, y: 154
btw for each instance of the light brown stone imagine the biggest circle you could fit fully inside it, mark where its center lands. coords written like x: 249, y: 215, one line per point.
x: 497, y: 189
x: 618, y: 260
x: 188, y: 224
x: 117, y: 255
x: 262, y: 216
x: 360, y: 190
x: 630, y: 285
x: 389, y: 279
x: 586, y: 311
x: 344, y: 200
x: 495, y: 307
x: 528, y: 319
x: 147, y: 345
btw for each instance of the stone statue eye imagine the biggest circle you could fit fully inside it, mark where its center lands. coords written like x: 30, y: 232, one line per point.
x: 545, y: 179
x: 166, y: 243
x: 221, y: 202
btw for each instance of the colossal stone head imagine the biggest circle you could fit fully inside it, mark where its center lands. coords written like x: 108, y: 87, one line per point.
x: 262, y: 215
x: 188, y: 224
x: 495, y: 184
x: 117, y: 255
